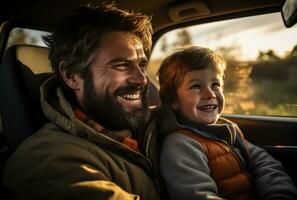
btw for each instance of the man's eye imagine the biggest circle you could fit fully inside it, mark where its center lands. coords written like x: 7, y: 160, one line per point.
x: 120, y: 67
x: 142, y: 66
x: 216, y: 85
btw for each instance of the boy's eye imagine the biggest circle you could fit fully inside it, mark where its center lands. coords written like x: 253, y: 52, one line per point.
x: 195, y: 86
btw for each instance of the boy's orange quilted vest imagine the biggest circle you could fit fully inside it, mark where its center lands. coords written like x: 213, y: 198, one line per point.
x: 233, y: 181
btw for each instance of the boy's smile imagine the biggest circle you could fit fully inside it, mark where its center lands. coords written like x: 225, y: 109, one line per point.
x: 200, y: 97
x: 208, y: 108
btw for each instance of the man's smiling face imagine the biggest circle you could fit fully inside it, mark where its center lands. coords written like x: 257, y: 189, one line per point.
x: 114, y: 92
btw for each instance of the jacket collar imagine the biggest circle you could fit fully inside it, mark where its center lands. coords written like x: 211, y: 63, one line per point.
x: 223, y: 129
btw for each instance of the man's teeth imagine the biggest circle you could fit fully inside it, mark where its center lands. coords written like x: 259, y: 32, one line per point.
x: 131, y: 96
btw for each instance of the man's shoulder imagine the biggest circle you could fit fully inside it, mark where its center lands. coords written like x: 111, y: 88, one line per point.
x: 50, y: 141
x: 49, y: 148
x: 50, y: 134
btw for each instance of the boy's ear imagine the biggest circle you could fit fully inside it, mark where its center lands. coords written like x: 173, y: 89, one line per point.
x: 74, y: 81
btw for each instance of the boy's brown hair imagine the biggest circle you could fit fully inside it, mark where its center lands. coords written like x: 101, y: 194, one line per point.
x: 174, y: 68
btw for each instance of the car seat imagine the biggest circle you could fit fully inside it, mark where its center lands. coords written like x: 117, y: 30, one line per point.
x: 23, y: 69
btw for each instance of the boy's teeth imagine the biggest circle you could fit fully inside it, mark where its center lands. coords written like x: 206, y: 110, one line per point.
x: 207, y: 107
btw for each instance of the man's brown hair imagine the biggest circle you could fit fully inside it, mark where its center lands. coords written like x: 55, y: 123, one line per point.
x: 76, y: 38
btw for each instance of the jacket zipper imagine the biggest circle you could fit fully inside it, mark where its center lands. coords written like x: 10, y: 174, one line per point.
x: 154, y: 174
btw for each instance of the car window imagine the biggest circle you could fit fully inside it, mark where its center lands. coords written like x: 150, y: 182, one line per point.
x: 261, y: 57
x: 26, y: 36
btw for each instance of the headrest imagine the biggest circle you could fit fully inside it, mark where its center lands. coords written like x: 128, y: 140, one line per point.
x: 23, y: 69
x: 36, y: 58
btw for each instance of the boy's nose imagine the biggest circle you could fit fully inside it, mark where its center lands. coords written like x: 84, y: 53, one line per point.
x: 208, y: 94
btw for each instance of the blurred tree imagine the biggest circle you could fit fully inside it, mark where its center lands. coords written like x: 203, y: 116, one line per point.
x: 184, y: 38
x: 18, y: 36
x: 164, y: 45
x: 230, y: 53
x: 293, y: 52
x: 268, y: 55
x: 21, y: 36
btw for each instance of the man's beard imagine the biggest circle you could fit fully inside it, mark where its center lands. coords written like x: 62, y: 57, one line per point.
x: 107, y: 111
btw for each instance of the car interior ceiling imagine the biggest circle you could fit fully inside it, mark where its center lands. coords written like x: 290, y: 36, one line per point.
x: 165, y: 13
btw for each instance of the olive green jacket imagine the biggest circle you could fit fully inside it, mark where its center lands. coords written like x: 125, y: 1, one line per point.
x: 66, y: 159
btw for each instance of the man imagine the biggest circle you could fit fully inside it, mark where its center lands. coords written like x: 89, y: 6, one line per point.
x: 97, y: 108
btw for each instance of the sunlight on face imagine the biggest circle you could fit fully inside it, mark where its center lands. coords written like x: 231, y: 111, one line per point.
x: 200, y: 97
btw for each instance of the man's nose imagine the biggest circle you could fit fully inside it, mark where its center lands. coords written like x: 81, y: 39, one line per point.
x: 138, y: 76
x: 207, y: 93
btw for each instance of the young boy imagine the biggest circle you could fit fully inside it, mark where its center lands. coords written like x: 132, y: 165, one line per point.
x: 205, y: 156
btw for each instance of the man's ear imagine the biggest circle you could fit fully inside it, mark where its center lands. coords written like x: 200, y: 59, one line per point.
x: 74, y: 81
x: 174, y: 106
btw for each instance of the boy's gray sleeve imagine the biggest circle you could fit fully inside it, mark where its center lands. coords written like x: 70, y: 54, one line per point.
x: 184, y: 167
x: 270, y: 178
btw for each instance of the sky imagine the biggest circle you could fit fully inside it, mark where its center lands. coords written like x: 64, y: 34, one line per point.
x: 252, y: 34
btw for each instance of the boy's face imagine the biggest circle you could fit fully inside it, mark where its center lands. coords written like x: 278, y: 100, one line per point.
x: 200, y: 97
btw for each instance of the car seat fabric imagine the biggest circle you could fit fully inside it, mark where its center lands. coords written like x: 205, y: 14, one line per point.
x: 23, y: 69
